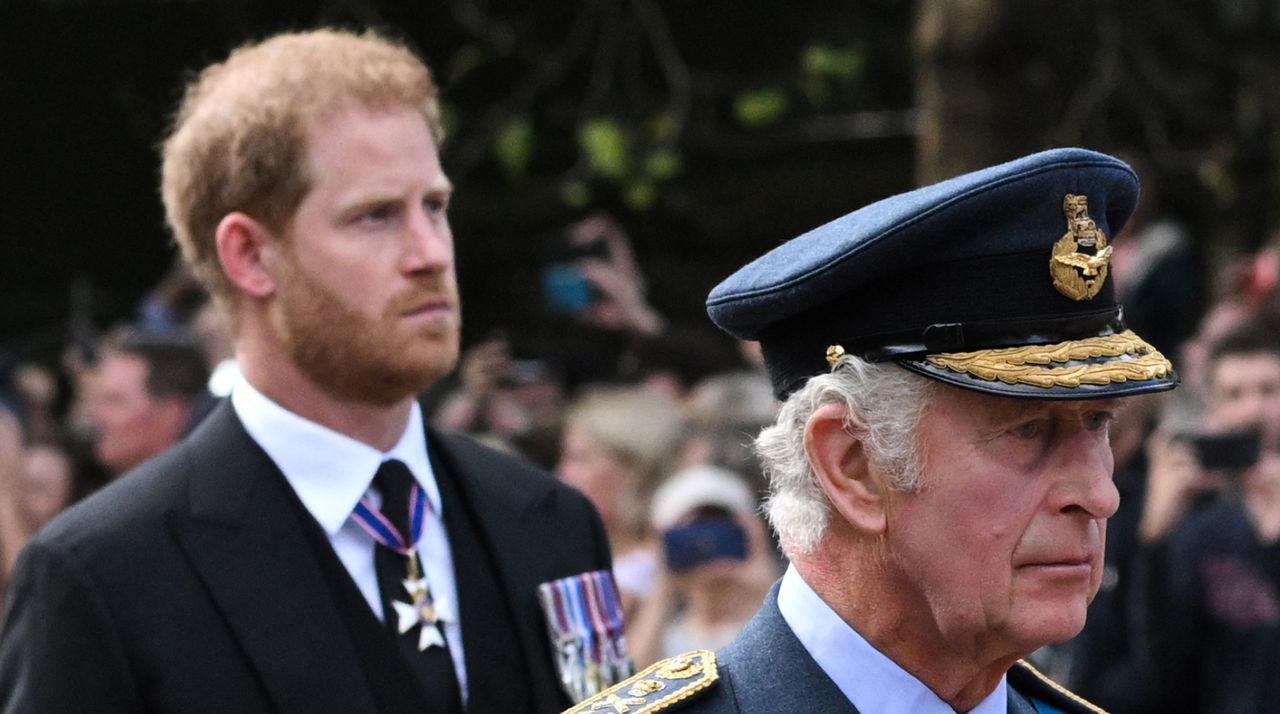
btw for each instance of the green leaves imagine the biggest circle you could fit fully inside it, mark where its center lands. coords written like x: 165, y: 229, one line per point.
x: 634, y: 158
x: 760, y: 107
x: 605, y: 146
x: 663, y: 164
x: 513, y: 146
x: 822, y: 68
x: 839, y: 63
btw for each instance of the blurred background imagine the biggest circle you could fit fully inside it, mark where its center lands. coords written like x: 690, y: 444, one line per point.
x: 614, y: 160
x: 711, y: 131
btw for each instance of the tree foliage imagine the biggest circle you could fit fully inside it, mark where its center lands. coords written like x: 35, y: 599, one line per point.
x: 710, y: 130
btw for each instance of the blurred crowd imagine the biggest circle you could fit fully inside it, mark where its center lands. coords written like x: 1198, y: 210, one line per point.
x: 654, y: 421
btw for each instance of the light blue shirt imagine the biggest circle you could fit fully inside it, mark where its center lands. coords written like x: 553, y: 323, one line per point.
x: 330, y: 472
x: 871, y: 681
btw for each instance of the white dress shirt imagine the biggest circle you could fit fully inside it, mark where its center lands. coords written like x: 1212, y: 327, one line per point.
x: 330, y: 472
x: 870, y: 680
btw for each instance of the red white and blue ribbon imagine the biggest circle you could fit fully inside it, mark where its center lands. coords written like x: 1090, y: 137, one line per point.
x: 584, y: 617
x: 420, y: 610
x: 384, y: 532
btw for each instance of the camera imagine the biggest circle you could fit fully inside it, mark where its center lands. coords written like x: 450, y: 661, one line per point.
x: 1230, y: 451
x: 703, y: 540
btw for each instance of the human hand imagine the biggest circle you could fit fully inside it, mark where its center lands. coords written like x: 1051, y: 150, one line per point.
x: 483, y: 366
x: 1174, y: 480
x: 482, y: 404
x: 1262, y: 497
x: 621, y: 303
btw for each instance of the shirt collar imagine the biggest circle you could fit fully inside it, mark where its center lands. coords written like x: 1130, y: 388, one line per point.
x: 329, y: 470
x: 871, y: 681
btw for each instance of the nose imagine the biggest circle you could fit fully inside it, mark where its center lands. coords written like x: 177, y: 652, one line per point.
x: 1087, y: 486
x: 428, y: 243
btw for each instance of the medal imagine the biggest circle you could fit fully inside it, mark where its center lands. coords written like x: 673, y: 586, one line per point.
x: 585, y: 622
x: 420, y: 609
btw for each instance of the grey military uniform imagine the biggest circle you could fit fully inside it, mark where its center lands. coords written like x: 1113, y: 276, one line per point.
x: 767, y: 671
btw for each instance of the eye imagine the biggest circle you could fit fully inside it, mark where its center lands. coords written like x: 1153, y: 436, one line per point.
x: 435, y: 204
x: 378, y: 214
x: 1095, y: 421
x: 1028, y: 430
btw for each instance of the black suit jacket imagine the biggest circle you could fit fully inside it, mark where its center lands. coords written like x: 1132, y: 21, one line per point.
x: 188, y: 586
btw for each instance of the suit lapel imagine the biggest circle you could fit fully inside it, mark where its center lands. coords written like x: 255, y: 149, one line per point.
x: 243, y: 539
x: 509, y: 514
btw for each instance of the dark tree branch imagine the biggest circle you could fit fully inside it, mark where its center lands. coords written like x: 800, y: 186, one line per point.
x: 472, y: 148
x: 606, y: 56
x: 674, y: 69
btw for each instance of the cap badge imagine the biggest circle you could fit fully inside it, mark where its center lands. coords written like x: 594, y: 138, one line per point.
x: 1079, y: 274
x: 834, y: 354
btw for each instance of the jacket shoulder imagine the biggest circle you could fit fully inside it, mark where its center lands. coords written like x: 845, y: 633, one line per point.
x: 512, y: 474
x: 122, y: 509
x: 673, y: 684
x: 463, y: 447
x: 1033, y: 684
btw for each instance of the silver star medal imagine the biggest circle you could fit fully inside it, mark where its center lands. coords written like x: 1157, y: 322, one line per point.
x: 419, y: 612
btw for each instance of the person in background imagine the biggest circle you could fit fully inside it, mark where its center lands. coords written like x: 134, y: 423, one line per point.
x: 518, y: 402
x: 1211, y: 537
x: 716, y: 564
x: 37, y: 388
x: 725, y: 413
x: 47, y: 484
x: 596, y: 305
x: 617, y: 443
x: 11, y: 528
x: 148, y: 391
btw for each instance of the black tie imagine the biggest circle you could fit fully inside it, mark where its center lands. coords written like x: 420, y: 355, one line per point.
x: 433, y: 666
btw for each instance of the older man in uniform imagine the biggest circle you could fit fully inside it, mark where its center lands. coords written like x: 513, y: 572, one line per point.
x: 950, y: 360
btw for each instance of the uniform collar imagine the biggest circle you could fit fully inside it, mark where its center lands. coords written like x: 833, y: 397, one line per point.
x: 871, y: 681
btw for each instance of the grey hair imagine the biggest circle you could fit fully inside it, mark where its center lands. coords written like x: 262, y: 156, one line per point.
x: 884, y: 404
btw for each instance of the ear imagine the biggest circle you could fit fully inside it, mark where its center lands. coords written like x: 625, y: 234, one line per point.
x: 244, y: 249
x: 855, y: 489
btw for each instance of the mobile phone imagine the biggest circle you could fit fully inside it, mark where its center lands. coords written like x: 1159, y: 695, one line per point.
x: 704, y: 540
x: 565, y: 290
x: 1232, y: 451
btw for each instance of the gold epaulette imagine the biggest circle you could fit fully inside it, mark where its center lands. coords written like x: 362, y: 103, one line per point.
x: 656, y: 687
x: 1066, y: 694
